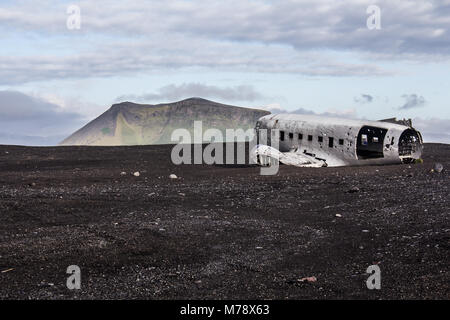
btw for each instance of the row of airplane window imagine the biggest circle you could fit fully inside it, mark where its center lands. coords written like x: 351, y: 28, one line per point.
x: 310, y: 138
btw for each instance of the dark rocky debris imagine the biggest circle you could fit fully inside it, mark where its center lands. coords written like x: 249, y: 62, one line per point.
x: 218, y: 232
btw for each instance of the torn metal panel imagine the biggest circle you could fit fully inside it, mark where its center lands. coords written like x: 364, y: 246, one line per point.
x: 405, y: 122
x: 264, y: 155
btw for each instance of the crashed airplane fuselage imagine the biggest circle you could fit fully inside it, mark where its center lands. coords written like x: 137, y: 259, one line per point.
x: 315, y: 141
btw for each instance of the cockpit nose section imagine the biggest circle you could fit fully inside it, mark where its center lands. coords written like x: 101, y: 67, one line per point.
x: 410, y: 146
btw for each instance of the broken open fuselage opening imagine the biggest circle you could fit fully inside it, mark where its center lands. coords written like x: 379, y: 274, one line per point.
x: 410, y: 146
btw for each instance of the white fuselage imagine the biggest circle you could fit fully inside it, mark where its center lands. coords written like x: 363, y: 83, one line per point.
x: 341, y: 142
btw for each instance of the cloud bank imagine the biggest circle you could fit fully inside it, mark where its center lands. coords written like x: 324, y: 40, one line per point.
x: 364, y: 98
x: 433, y: 129
x: 412, y: 101
x: 174, y: 92
x: 27, y: 120
x: 286, y: 36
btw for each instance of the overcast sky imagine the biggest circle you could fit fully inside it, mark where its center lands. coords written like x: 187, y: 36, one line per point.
x: 316, y: 56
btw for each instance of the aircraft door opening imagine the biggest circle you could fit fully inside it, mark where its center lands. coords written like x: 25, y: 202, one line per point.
x: 370, y: 143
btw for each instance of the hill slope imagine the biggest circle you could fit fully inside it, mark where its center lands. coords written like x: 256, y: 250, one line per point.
x: 129, y: 123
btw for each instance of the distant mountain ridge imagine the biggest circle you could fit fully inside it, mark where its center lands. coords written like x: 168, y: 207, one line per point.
x: 130, y: 123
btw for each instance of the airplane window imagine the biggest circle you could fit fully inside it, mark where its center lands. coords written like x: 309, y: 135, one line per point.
x: 281, y: 135
x: 300, y: 136
x: 375, y: 139
x: 320, y: 139
x: 310, y: 138
x: 331, y: 142
x: 364, y: 140
x: 291, y: 135
x: 341, y: 142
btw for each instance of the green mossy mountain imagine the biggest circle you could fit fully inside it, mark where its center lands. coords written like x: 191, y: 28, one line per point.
x: 129, y: 123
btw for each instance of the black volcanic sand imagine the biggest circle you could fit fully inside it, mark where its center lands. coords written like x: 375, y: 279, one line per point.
x: 218, y: 231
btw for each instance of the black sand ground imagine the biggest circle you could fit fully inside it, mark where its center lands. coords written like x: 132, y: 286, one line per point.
x: 218, y: 231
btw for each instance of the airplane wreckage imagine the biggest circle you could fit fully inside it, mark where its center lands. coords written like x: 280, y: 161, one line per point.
x: 316, y: 141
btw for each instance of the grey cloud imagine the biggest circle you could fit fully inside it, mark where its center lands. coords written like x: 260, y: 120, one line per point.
x: 412, y: 101
x: 407, y: 26
x: 433, y: 130
x: 174, y: 92
x: 32, y: 121
x: 157, y: 56
x: 30, y: 140
x: 305, y: 111
x: 278, y: 109
x: 364, y: 98
x: 279, y: 37
x: 350, y: 114
x: 274, y: 108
